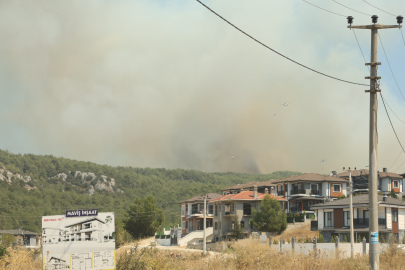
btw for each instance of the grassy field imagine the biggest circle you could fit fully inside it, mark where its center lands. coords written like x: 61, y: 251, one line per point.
x: 246, y: 254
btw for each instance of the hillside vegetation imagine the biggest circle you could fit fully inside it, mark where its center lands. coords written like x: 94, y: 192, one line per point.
x: 34, y: 185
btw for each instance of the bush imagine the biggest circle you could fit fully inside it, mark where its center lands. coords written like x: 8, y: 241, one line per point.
x: 345, y: 240
x: 307, y: 240
x: 275, y: 242
x: 320, y: 239
x: 333, y: 239
x: 359, y: 239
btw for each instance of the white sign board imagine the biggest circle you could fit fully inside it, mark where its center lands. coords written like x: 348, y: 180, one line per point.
x: 79, y: 243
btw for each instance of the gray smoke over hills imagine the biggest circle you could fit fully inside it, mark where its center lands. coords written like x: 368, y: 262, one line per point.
x: 167, y: 84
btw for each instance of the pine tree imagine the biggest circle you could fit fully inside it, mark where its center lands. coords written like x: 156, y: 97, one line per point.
x: 270, y: 217
x: 143, y: 218
x: 359, y: 239
x: 237, y: 231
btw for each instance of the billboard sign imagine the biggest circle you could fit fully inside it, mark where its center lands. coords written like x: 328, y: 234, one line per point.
x: 79, y: 240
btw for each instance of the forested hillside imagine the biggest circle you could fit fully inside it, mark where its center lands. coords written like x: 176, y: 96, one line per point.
x: 33, y: 185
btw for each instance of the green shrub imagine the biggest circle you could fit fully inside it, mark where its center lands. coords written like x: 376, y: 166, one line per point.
x: 359, y: 239
x: 345, y: 240
x: 320, y: 239
x: 333, y: 239
x: 275, y: 242
x: 307, y: 240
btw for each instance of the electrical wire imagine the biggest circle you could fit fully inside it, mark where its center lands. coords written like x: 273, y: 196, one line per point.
x: 402, y: 34
x: 393, y: 111
x: 384, y: 101
x: 351, y: 8
x: 389, y: 118
x: 378, y: 8
x: 389, y: 65
x: 264, y: 45
x: 395, y: 160
x: 400, y: 166
x: 324, y: 9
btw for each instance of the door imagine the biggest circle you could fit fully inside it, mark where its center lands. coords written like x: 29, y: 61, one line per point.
x: 365, y: 217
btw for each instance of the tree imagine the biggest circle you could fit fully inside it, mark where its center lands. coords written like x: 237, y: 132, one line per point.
x: 237, y: 231
x: 143, y: 218
x: 270, y: 217
x: 393, y: 194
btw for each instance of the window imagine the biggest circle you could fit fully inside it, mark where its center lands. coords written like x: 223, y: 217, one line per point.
x: 210, y: 209
x: 216, y: 226
x: 328, y: 216
x: 282, y: 205
x: 396, y: 184
x: 394, y: 215
x: 215, y: 210
x: 183, y: 210
x: 227, y: 208
x: 346, y: 218
x: 220, y: 225
x: 247, y: 209
x: 232, y: 208
x: 184, y: 225
x: 336, y: 188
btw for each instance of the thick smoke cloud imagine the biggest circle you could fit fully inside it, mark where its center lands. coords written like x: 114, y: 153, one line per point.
x: 167, y: 84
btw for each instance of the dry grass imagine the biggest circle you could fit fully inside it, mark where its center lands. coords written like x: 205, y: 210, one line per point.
x: 21, y: 258
x: 246, y: 254
x: 301, y: 232
x: 249, y: 254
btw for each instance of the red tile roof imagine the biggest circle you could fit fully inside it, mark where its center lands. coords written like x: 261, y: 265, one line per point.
x: 246, y: 195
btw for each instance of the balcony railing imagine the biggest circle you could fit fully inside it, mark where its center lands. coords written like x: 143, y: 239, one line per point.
x: 316, y: 192
x: 298, y: 191
x: 230, y: 213
x: 280, y: 193
x: 300, y: 208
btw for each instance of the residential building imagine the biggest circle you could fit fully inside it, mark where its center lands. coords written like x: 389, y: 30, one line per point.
x: 240, y: 204
x: 56, y: 263
x: 90, y: 229
x: 24, y: 238
x: 334, y: 218
x: 303, y: 191
x: 261, y: 186
x: 192, y: 218
x: 387, y: 181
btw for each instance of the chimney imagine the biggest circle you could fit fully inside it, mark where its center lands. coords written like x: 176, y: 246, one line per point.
x: 384, y: 169
x: 255, y: 192
x: 272, y: 191
x: 241, y: 190
x: 384, y: 197
x: 266, y: 191
x: 333, y: 173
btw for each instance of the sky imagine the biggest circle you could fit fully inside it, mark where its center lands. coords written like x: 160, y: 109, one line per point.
x: 168, y: 84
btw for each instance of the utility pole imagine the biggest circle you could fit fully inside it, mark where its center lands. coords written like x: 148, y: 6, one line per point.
x: 351, y: 213
x: 205, y: 224
x: 373, y: 155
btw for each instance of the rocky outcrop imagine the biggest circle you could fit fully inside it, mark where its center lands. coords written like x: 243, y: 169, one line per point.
x: 103, y: 181
x: 6, y: 175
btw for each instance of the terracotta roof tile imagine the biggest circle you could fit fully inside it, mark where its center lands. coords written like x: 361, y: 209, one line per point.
x: 365, y: 172
x: 312, y: 177
x: 246, y: 195
x: 199, y: 198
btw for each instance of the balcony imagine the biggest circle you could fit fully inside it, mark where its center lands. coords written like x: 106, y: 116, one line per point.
x: 298, y: 191
x: 300, y: 208
x: 316, y: 192
x: 280, y: 193
x: 229, y: 213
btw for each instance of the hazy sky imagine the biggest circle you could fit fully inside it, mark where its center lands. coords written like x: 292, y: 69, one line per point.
x: 168, y: 84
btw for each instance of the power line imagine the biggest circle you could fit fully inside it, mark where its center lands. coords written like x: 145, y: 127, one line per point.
x: 351, y: 8
x: 399, y: 166
x: 389, y: 65
x: 395, y: 160
x: 275, y: 50
x: 402, y: 34
x: 391, y: 123
x: 378, y: 8
x: 324, y: 9
x: 381, y: 95
x: 393, y: 111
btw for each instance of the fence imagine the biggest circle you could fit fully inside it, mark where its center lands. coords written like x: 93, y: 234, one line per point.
x: 329, y: 249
